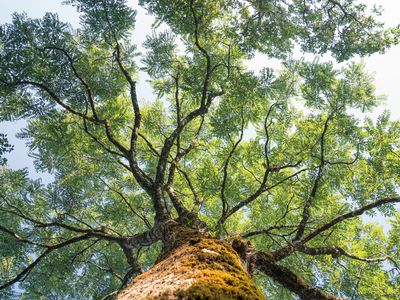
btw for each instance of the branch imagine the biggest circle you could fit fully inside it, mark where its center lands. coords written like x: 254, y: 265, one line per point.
x: 174, y: 165
x: 176, y: 160
x: 289, y: 249
x: 197, y: 199
x: 144, y: 181
x: 346, y: 162
x: 346, y: 14
x: 349, y: 215
x: 179, y: 207
x: 263, y: 184
x: 267, y: 138
x: 225, y: 176
x: 161, y: 211
x: 21, y: 239
x: 57, y: 99
x: 149, y: 144
x: 100, y: 234
x: 266, y: 231
x: 205, y: 103
x: 204, y: 52
x: 99, y: 142
x: 262, y: 189
x: 127, y: 203
x: 135, y: 268
x: 138, y: 240
x: 311, y: 197
x: 22, y: 275
x: 336, y: 251
x: 178, y: 110
x: 134, y: 100
x: 80, y: 78
x: 266, y: 264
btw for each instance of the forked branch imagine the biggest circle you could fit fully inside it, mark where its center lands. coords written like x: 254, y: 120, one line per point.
x: 295, y: 245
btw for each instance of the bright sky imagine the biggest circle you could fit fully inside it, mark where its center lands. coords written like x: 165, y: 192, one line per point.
x: 385, y: 67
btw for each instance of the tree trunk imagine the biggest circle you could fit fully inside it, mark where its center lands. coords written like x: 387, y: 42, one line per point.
x: 194, y: 266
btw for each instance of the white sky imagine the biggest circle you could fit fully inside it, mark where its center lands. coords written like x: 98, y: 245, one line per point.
x: 385, y: 67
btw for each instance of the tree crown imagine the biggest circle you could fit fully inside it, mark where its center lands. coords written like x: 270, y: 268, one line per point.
x: 281, y: 157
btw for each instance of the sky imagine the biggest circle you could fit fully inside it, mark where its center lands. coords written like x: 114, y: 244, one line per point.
x: 386, y: 67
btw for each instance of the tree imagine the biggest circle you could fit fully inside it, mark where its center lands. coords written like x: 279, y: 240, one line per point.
x: 173, y: 198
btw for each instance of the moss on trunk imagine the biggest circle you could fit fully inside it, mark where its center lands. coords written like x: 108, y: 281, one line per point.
x: 199, y: 268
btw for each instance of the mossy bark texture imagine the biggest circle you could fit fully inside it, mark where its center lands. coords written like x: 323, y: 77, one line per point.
x: 199, y: 268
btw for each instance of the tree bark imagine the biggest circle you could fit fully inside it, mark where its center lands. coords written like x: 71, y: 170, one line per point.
x: 193, y: 265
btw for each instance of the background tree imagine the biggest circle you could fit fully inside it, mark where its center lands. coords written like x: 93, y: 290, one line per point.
x: 177, y: 181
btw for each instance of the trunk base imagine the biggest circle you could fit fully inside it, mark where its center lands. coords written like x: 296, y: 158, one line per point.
x: 201, y: 268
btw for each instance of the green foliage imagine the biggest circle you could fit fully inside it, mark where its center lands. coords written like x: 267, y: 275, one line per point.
x: 278, y: 132
x: 4, y: 148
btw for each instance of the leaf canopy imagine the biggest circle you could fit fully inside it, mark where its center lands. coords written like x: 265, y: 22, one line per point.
x: 283, y: 157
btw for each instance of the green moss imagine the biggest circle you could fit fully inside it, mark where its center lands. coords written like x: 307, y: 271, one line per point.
x: 195, y: 266
x: 216, y: 270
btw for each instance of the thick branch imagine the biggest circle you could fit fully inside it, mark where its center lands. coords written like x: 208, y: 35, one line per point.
x: 266, y: 264
x: 132, y: 261
x: 168, y: 143
x: 180, y: 209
